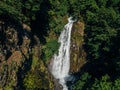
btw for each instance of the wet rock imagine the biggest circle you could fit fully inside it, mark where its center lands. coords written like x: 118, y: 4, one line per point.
x: 57, y: 85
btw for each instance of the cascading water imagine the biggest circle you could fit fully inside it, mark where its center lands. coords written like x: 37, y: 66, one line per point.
x: 60, y: 64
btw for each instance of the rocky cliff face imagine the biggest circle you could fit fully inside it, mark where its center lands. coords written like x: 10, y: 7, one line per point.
x: 18, y: 56
x: 11, y: 56
x: 77, y: 56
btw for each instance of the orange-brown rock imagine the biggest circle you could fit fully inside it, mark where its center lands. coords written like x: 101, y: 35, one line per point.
x: 15, y: 57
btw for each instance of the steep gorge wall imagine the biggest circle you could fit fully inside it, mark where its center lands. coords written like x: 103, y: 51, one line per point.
x: 12, y: 53
x: 78, y: 55
x: 18, y: 56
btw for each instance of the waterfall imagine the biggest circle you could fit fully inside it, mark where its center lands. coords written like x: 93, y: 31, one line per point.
x: 60, y: 64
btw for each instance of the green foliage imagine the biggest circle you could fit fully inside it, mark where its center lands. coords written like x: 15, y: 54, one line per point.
x: 103, y: 84
x: 50, y: 48
x: 57, y: 24
x: 101, y: 27
x: 106, y: 84
x: 117, y: 84
x: 85, y: 83
x: 35, y: 62
x: 8, y: 88
x: 37, y: 79
x: 31, y: 7
x: 30, y: 83
x: 102, y: 31
x: 20, y: 10
x: 58, y: 9
x: 10, y: 11
x: 82, y: 83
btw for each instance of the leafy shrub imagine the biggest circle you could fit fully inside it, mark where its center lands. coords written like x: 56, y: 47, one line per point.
x: 50, y: 48
x: 103, y: 84
x: 82, y: 83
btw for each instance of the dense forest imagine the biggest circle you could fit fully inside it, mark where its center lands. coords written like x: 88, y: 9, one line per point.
x: 44, y: 21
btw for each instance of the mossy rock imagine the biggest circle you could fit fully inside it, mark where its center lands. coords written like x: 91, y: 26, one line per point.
x: 77, y: 54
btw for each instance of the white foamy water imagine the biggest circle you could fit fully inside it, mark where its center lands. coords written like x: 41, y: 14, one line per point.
x: 60, y: 64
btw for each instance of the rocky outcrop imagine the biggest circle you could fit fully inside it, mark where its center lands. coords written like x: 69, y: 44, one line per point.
x: 12, y: 53
x: 18, y: 56
x: 77, y: 56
